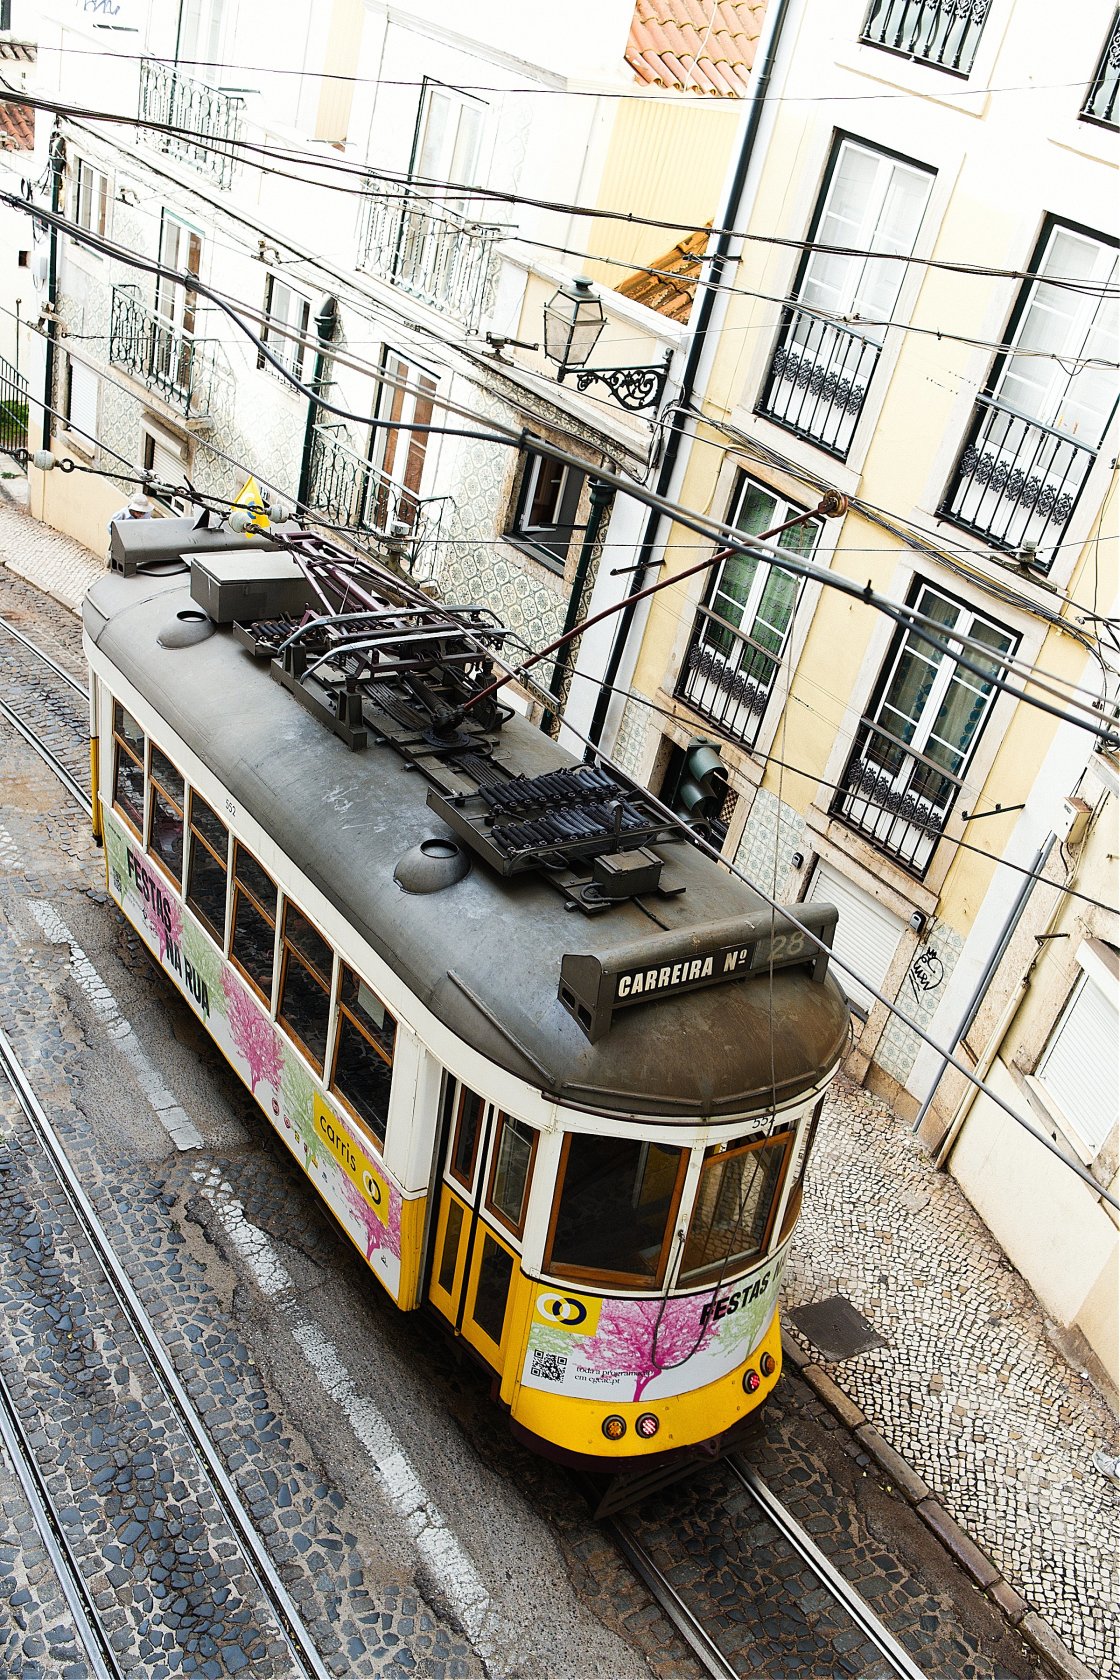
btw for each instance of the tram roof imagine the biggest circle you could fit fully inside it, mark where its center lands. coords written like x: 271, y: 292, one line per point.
x: 484, y: 953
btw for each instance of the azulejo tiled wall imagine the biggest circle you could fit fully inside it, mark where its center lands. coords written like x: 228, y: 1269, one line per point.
x: 630, y: 743
x: 773, y: 832
x: 921, y: 992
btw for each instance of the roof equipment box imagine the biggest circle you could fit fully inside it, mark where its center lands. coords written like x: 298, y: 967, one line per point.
x: 140, y: 545
x: 240, y: 587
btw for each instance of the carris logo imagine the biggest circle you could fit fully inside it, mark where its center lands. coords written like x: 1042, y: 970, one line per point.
x: 562, y: 1309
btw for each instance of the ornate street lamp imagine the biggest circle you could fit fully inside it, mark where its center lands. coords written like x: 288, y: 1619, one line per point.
x: 573, y: 321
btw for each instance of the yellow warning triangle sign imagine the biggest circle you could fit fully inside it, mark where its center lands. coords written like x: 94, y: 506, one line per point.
x: 251, y: 498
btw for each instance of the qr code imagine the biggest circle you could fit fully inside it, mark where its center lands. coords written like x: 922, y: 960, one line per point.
x: 550, y: 1366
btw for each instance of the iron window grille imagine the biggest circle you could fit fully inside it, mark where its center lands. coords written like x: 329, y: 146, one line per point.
x: 1104, y: 95
x: 1039, y: 424
x: 943, y: 33
x: 831, y: 336
x: 913, y: 747
x: 741, y: 629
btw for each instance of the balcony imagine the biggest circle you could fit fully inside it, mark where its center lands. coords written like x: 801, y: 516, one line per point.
x: 900, y: 799
x: 818, y: 380
x: 726, y: 676
x: 430, y: 251
x: 356, y: 495
x: 944, y: 33
x: 1016, y: 482
x: 154, y: 350
x: 211, y: 119
x: 1101, y: 102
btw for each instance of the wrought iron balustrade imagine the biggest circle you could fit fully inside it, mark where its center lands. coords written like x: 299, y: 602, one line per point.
x: 1016, y: 482
x: 726, y: 676
x: 1101, y: 103
x: 13, y: 409
x: 430, y: 251
x: 211, y: 120
x: 354, y: 493
x: 900, y: 799
x: 155, y: 350
x: 944, y: 33
x: 818, y: 379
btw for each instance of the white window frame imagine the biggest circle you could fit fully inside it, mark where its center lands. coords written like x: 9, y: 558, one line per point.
x: 285, y: 326
x: 549, y: 540
x: 455, y: 154
x: 82, y: 394
x: 91, y: 198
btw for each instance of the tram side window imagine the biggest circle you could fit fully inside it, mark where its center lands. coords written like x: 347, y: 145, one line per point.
x: 615, y: 1208
x: 253, y: 943
x: 165, y: 814
x: 363, y: 1058
x: 510, y: 1173
x: 797, y: 1194
x: 206, y: 881
x: 735, y: 1204
x: 468, y: 1132
x: 128, y: 767
x: 305, y: 984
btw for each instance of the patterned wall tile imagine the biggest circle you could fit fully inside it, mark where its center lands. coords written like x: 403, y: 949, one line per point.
x: 921, y: 992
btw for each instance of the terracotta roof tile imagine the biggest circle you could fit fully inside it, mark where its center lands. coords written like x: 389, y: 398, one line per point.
x: 699, y: 46
x: 670, y: 281
x: 17, y: 127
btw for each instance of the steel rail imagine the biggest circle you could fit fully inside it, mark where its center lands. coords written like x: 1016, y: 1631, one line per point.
x: 691, y: 1630
x: 32, y: 647
x: 855, y: 1607
x: 306, y: 1657
x: 50, y: 759
x: 102, y: 1659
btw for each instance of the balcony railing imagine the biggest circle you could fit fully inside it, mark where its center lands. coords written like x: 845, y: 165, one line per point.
x: 429, y: 251
x: 1016, y: 482
x: 211, y: 120
x: 818, y: 380
x: 354, y: 493
x: 726, y: 676
x: 944, y: 33
x: 900, y: 799
x: 1101, y: 103
x: 13, y: 409
x: 167, y: 359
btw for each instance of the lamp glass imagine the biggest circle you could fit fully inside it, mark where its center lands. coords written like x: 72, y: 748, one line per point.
x: 573, y: 320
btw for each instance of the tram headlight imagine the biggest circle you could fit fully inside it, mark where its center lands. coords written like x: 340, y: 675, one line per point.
x: 752, y: 1382
x: 767, y: 1364
x: 614, y: 1427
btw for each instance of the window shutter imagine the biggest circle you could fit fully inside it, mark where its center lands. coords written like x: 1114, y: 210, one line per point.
x: 82, y: 413
x: 867, y: 935
x: 1079, y: 1068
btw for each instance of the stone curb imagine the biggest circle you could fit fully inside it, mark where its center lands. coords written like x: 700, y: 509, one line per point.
x: 1032, y: 1627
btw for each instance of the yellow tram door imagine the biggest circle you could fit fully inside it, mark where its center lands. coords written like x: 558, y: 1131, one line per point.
x: 483, y: 1190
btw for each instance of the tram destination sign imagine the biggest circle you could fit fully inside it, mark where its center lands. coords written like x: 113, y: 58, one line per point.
x: 593, y: 987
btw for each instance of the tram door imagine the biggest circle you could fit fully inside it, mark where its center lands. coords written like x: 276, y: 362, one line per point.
x: 483, y: 1191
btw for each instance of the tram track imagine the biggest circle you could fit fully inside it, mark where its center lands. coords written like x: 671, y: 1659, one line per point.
x: 303, y: 1656
x: 23, y: 702
x: 721, y: 1656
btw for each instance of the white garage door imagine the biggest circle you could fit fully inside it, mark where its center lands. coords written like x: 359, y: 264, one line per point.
x: 867, y: 935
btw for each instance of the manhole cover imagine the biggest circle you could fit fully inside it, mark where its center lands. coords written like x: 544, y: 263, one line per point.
x: 835, y: 1328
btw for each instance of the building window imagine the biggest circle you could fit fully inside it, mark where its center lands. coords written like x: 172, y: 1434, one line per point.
x: 944, y: 33
x: 1102, y: 99
x: 5, y: 14
x: 91, y: 198
x: 740, y: 632
x: 818, y: 377
x: 80, y: 404
x: 1078, y: 1068
x: 547, y: 509
x: 1038, y: 426
x: 447, y: 140
x: 914, y: 745
x: 285, y: 326
x: 180, y: 250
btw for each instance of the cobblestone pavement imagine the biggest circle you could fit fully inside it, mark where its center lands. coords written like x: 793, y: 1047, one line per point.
x: 993, y: 1427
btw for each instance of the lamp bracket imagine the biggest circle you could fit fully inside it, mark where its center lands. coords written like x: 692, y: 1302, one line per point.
x: 633, y: 388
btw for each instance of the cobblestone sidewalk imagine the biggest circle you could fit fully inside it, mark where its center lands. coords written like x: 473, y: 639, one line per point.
x: 997, y: 1428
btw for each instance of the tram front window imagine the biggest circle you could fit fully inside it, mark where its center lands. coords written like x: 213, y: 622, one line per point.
x: 615, y: 1209
x: 735, y: 1205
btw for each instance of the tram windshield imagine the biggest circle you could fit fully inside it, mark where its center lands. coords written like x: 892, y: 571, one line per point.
x: 735, y: 1204
x: 615, y: 1208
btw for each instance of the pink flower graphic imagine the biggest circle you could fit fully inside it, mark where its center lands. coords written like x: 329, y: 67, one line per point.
x: 647, y: 1337
x: 253, y: 1034
x: 377, y: 1235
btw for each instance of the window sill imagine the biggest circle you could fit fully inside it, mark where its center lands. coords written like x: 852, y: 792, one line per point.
x: 1053, y: 1119
x: 544, y: 556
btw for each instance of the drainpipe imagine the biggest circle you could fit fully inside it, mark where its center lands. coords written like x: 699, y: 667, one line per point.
x: 57, y: 162
x: 697, y: 345
x: 326, y: 322
x: 601, y: 495
x: 972, y: 1009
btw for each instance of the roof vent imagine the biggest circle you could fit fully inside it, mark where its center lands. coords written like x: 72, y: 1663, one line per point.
x: 435, y: 863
